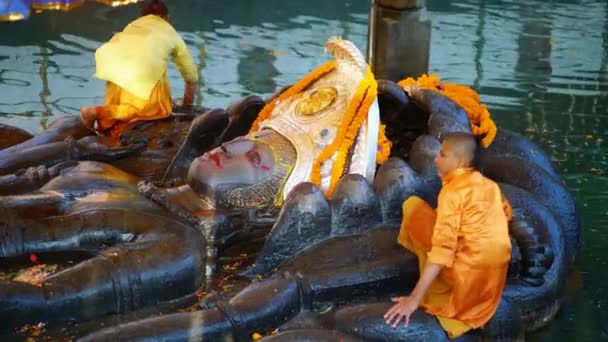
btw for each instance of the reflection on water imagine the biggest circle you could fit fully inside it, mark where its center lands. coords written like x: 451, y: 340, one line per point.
x: 256, y: 70
x: 542, y: 69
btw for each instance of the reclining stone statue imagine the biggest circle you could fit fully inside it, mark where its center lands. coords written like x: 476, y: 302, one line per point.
x: 308, y: 168
x: 144, y: 148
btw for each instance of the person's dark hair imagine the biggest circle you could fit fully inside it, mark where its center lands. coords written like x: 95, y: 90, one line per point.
x: 156, y: 7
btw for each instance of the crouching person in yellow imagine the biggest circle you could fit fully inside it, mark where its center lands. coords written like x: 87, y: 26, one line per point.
x: 134, y: 65
x: 463, y: 248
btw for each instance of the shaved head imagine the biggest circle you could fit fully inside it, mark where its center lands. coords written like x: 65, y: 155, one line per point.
x: 464, y: 146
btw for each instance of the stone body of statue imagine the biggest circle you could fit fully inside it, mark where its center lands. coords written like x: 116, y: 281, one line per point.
x: 312, y: 154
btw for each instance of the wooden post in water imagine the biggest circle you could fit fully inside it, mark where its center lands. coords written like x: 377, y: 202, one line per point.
x: 399, y: 38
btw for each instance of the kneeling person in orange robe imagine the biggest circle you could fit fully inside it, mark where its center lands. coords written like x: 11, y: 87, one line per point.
x: 134, y: 65
x: 463, y: 248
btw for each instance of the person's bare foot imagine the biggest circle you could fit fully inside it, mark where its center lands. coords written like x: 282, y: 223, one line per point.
x: 89, y: 116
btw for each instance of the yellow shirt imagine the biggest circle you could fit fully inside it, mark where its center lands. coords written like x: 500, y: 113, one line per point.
x: 136, y: 58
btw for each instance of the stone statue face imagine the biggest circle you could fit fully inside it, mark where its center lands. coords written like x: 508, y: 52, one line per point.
x: 238, y: 163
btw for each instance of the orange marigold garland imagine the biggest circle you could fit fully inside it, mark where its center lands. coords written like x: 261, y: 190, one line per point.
x: 479, y: 116
x: 356, y: 114
x: 291, y: 91
x: 384, y: 146
x: 351, y: 122
x: 357, y: 111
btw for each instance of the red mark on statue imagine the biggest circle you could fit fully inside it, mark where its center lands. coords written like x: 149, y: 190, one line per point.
x: 33, y: 258
x: 217, y: 159
x: 264, y: 167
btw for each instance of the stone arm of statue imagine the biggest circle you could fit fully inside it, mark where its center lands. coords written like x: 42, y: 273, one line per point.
x: 156, y: 194
x: 86, y: 148
x: 30, y: 179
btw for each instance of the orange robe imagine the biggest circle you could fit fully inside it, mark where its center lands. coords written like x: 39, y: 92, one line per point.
x: 469, y: 235
x: 121, y: 107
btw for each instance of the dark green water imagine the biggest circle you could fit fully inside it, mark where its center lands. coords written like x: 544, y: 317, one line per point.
x: 541, y: 66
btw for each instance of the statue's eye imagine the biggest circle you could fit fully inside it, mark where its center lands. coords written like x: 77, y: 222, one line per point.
x: 226, y: 152
x: 254, y: 157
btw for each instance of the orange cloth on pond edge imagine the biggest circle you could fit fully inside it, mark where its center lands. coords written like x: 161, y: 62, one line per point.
x: 468, y: 234
x: 122, y: 108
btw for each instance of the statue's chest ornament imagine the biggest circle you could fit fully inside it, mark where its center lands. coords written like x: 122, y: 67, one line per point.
x: 317, y: 101
x: 321, y: 116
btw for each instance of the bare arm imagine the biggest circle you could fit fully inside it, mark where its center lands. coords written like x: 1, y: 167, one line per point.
x: 406, y: 305
x: 189, y: 90
x: 428, y: 276
x: 187, y: 68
